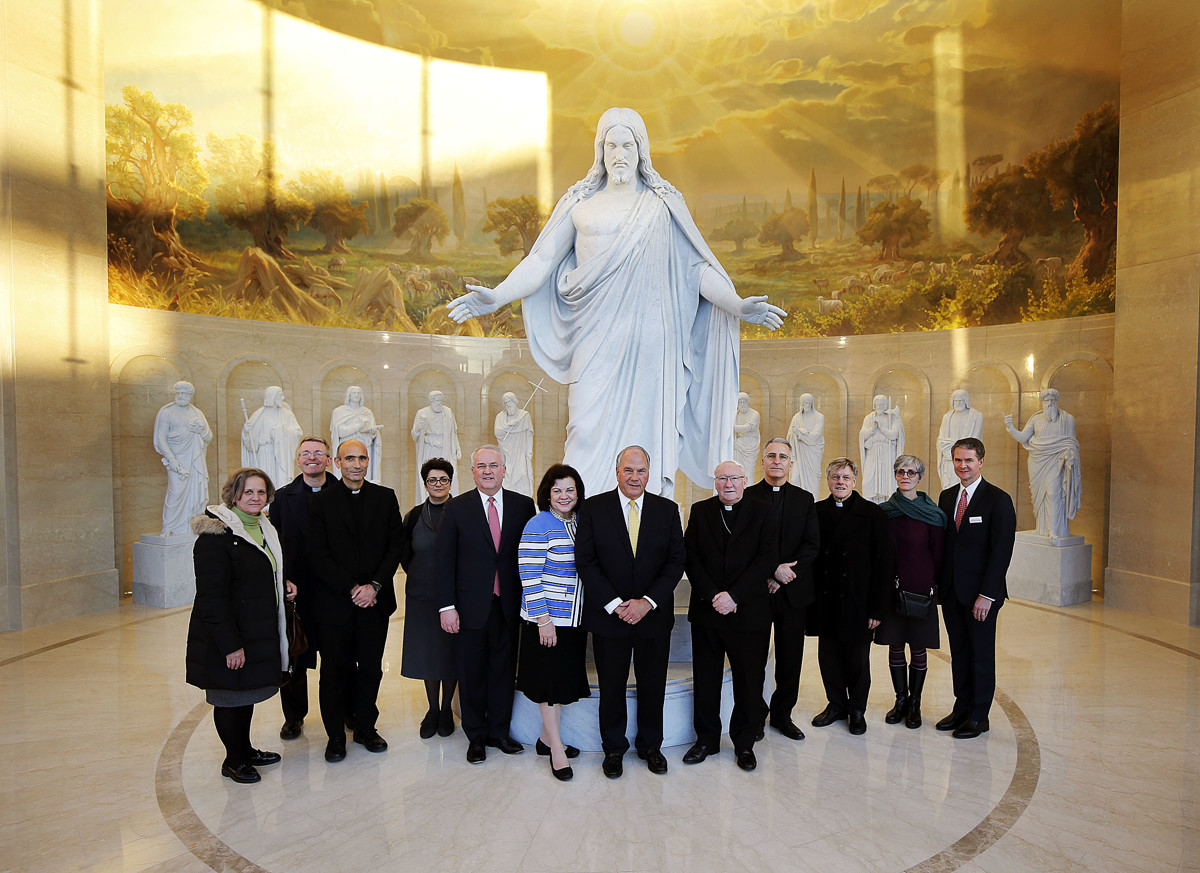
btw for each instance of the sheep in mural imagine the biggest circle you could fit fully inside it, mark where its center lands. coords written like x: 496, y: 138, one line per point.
x: 851, y: 283
x: 821, y: 284
x: 829, y: 307
x: 939, y: 269
x: 1048, y: 266
x: 336, y: 264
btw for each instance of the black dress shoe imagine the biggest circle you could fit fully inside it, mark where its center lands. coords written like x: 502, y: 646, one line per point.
x: 544, y: 750
x: 244, y: 775
x: 445, y: 726
x: 655, y: 761
x: 698, y: 752
x: 562, y: 775
x: 612, y: 766
x: 259, y: 758
x: 788, y: 728
x: 746, y: 759
x: 970, y: 729
x: 429, y: 725
x: 828, y: 716
x: 952, y: 721
x: 335, y: 750
x: 857, y: 720
x: 476, y: 753
x: 291, y: 730
x: 370, y: 740
x: 507, y: 745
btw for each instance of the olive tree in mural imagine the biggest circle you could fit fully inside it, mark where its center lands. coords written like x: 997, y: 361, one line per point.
x: 784, y: 229
x: 334, y: 214
x: 249, y: 195
x: 517, y: 221
x: 154, y: 178
x: 1016, y: 203
x: 903, y: 223
x: 1082, y: 172
x: 424, y: 220
x: 737, y: 231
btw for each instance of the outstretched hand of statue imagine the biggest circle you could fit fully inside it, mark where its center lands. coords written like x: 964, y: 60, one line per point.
x: 476, y: 302
x: 756, y: 310
x: 1008, y: 421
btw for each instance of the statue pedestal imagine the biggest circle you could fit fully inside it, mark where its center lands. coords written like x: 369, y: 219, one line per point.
x: 1053, y: 570
x: 163, y: 573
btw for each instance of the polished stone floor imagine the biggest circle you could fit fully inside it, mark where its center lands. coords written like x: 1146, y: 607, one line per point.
x: 110, y: 763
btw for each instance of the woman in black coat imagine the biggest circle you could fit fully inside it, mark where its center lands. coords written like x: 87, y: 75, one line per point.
x: 428, y: 650
x: 237, y: 639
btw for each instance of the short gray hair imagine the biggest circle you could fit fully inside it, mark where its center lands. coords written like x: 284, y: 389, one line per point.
x: 503, y: 457
x: 838, y: 463
x: 911, y: 461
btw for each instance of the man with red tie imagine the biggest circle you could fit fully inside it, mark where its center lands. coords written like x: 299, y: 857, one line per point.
x: 475, y: 555
x: 980, y: 533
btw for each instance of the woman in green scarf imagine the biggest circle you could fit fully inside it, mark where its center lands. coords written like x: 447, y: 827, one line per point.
x: 917, y: 529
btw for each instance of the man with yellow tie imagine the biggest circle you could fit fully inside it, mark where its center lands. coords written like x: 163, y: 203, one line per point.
x: 629, y: 554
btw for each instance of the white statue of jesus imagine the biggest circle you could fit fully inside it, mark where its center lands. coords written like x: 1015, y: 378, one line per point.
x: 626, y: 304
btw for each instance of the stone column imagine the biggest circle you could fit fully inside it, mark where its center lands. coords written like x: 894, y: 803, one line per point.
x: 56, y: 493
x: 1154, y: 520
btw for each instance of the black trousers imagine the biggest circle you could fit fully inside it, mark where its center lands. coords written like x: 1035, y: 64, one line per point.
x: 747, y: 653
x: 845, y: 672
x: 788, y: 623
x: 487, y: 674
x: 650, y: 657
x: 972, y: 657
x: 293, y: 697
x: 351, y: 670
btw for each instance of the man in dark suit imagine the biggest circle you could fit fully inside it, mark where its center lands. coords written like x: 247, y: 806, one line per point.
x: 629, y: 554
x: 289, y: 516
x: 479, y: 596
x: 980, y: 531
x: 355, y: 540
x: 732, y: 548
x: 790, y: 585
x: 853, y: 577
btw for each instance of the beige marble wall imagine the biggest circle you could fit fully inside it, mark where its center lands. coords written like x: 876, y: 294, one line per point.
x: 54, y: 401
x: 1153, y: 528
x: 1004, y: 368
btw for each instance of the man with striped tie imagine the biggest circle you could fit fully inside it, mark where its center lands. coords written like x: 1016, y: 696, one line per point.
x: 629, y: 554
x: 980, y: 532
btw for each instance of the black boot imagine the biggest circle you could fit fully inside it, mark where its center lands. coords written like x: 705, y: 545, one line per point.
x: 897, y: 713
x: 916, y: 681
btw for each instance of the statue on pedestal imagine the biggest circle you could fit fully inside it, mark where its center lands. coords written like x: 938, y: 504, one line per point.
x: 959, y: 422
x: 514, y: 434
x: 806, y: 434
x: 626, y: 304
x: 880, y: 442
x: 353, y: 421
x: 1055, y: 480
x: 435, y: 432
x: 181, y: 436
x: 270, y: 437
x: 747, y: 435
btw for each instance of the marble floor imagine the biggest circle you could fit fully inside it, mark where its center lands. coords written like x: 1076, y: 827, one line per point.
x: 110, y: 763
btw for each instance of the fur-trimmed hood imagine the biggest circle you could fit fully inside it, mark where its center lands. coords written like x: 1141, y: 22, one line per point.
x: 206, y: 524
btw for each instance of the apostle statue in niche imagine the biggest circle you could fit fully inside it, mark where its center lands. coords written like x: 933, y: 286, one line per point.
x: 625, y: 303
x: 435, y: 432
x: 514, y: 434
x: 181, y: 436
x: 747, y: 435
x: 270, y: 437
x: 880, y: 442
x: 353, y: 421
x: 806, y: 434
x: 959, y: 422
x: 1055, y: 479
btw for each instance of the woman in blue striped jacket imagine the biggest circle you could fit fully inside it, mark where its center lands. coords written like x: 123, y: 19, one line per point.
x: 553, y: 644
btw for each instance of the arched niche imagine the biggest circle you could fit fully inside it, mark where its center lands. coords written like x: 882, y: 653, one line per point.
x: 995, y: 391
x: 415, y: 397
x: 905, y: 387
x: 244, y: 381
x: 830, y: 398
x: 533, y: 400
x: 760, y: 400
x: 141, y: 386
x: 1084, y: 384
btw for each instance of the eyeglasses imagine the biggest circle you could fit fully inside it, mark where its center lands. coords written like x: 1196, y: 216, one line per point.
x: 318, y: 455
x: 438, y: 480
x: 907, y: 474
x: 725, y: 479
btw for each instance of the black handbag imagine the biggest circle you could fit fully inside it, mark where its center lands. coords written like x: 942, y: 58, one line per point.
x: 910, y: 604
x: 296, y: 638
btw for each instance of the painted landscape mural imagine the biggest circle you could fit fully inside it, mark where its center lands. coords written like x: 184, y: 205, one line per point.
x: 872, y: 165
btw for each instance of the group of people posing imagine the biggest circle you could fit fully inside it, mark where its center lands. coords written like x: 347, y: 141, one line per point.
x: 501, y: 594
